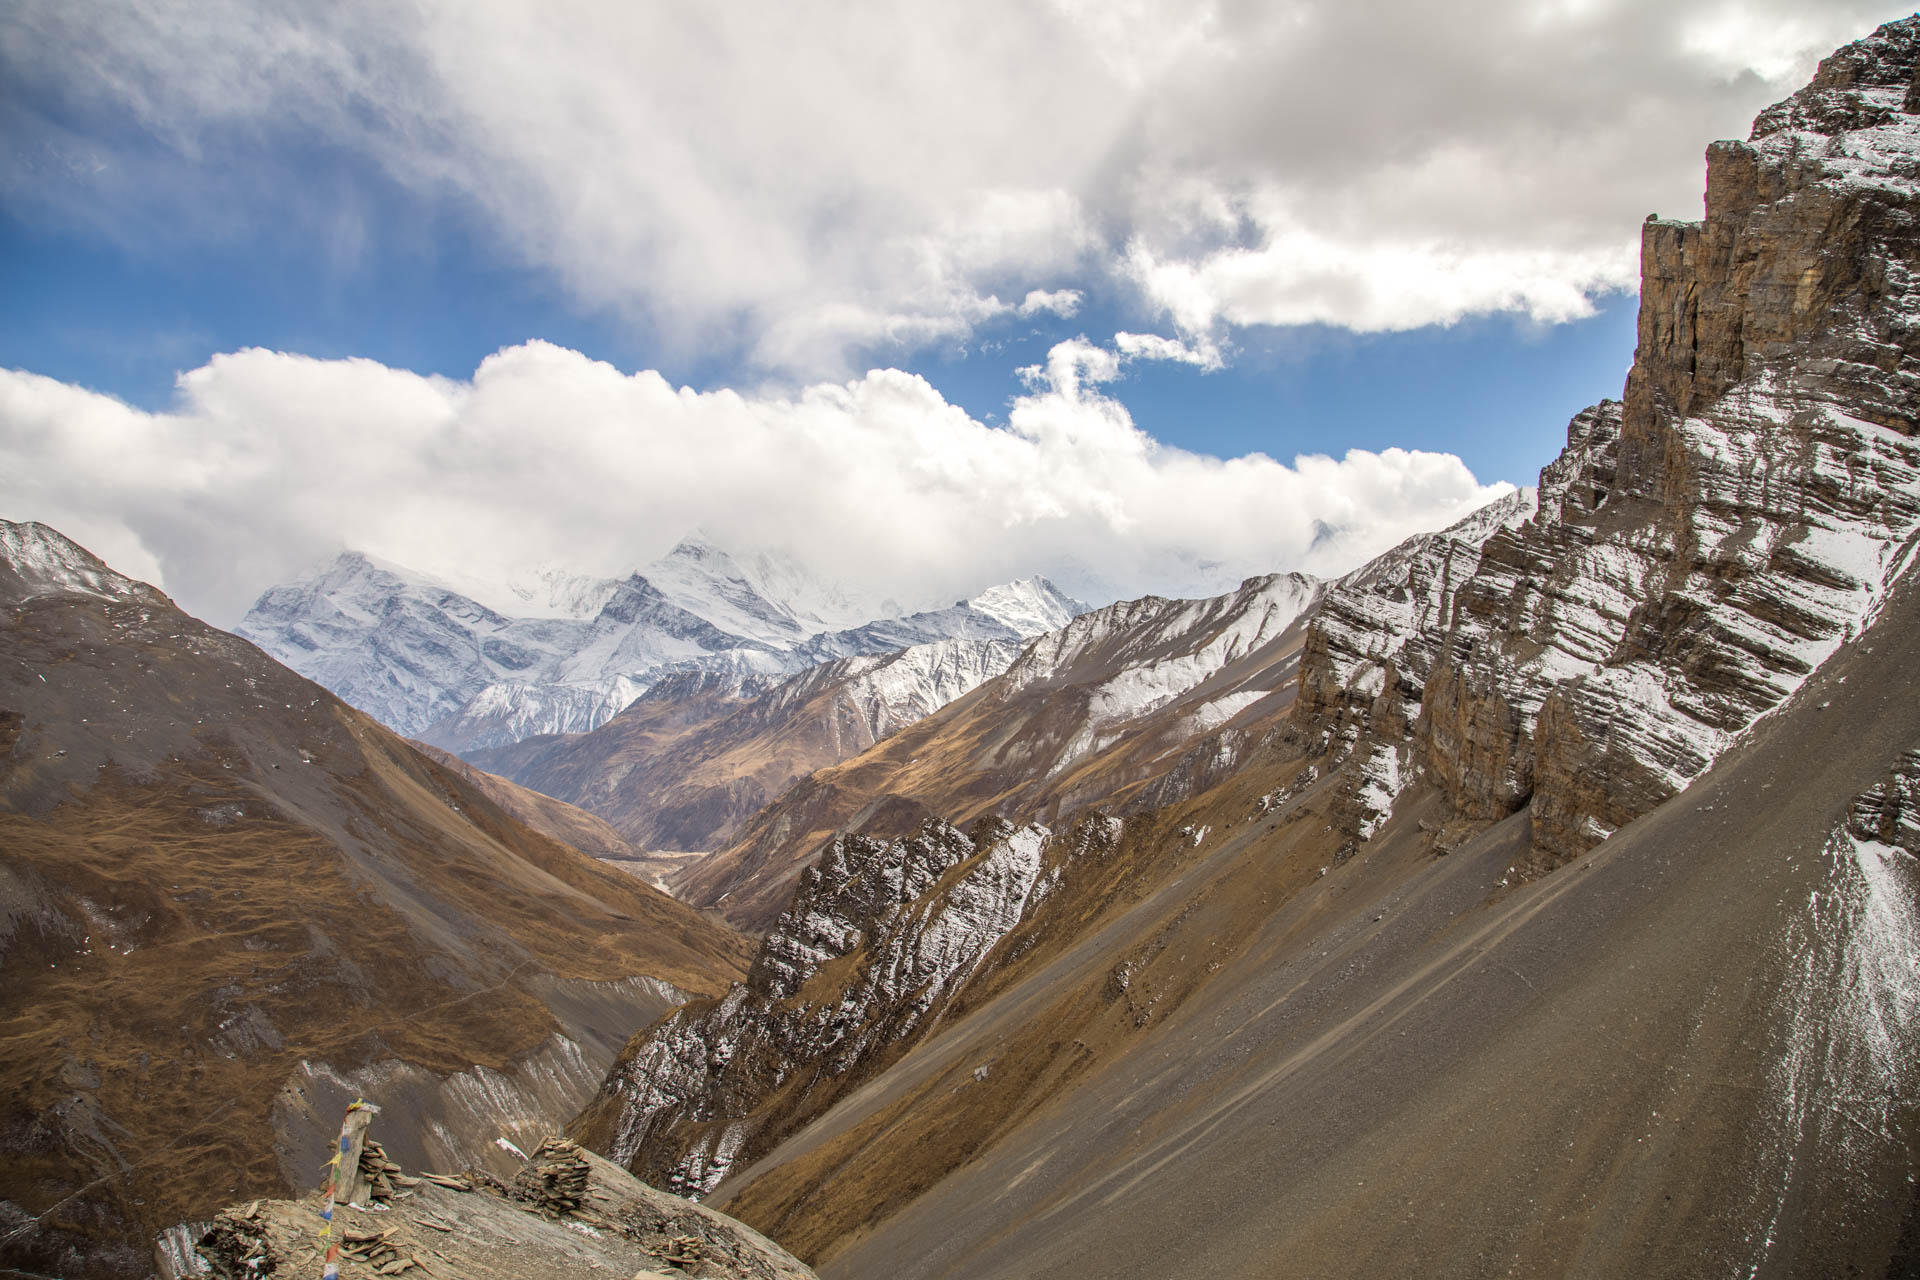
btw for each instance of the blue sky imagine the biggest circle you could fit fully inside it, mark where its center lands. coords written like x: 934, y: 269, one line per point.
x: 1103, y: 233
x: 1497, y: 390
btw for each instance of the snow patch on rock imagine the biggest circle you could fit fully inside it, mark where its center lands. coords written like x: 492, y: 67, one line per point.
x: 902, y: 926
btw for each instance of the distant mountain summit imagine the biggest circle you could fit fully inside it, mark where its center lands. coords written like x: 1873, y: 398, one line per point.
x: 467, y: 665
x: 766, y: 597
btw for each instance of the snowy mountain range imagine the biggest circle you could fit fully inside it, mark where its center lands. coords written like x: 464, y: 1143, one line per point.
x: 466, y: 665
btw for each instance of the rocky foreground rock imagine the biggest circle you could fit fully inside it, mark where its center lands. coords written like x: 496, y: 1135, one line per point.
x: 567, y: 1213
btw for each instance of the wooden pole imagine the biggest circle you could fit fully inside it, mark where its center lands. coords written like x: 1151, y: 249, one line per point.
x: 344, y: 1182
x: 354, y: 1134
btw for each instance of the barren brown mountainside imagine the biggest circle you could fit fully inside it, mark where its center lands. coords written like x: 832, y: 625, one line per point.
x: 686, y: 764
x: 1542, y: 898
x: 587, y: 832
x: 232, y: 902
x: 564, y: 822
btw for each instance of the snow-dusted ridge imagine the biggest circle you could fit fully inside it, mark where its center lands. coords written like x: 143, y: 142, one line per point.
x: 1702, y: 546
x: 911, y: 920
x: 47, y: 562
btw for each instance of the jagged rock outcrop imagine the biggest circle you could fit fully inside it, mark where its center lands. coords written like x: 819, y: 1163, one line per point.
x: 1705, y: 544
x: 879, y: 939
x: 1370, y: 650
x: 565, y: 1213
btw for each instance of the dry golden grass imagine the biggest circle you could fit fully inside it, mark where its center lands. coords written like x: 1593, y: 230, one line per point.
x: 213, y: 870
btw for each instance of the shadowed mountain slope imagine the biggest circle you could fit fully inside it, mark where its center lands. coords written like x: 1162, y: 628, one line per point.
x: 231, y: 902
x: 569, y: 825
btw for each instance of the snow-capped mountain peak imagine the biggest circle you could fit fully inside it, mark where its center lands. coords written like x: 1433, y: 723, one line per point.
x: 1028, y: 606
x: 548, y: 592
x: 702, y: 578
x: 465, y: 663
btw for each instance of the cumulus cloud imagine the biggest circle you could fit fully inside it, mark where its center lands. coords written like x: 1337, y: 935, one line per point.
x: 811, y: 185
x: 269, y: 463
x: 1152, y: 346
x: 1059, y: 302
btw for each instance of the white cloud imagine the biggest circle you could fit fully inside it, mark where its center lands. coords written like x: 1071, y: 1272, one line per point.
x: 1298, y: 277
x: 1152, y: 346
x: 800, y: 185
x: 268, y: 463
x: 1059, y: 302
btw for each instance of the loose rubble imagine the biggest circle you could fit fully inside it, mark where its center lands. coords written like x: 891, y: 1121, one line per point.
x: 566, y: 1213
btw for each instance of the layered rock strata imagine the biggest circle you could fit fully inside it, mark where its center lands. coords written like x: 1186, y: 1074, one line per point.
x: 1704, y: 545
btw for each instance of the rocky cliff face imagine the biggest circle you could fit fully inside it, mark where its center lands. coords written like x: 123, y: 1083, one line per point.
x: 1704, y: 545
x: 880, y: 937
x: 1371, y: 648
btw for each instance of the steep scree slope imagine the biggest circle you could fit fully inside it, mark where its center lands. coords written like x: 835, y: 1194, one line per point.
x: 1298, y: 1041
x: 1692, y: 1051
